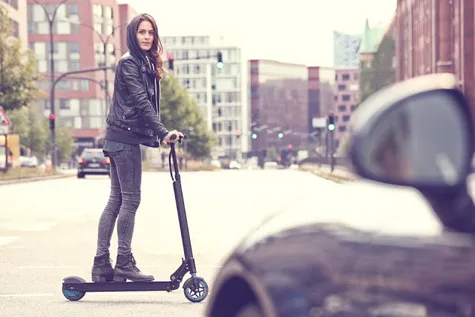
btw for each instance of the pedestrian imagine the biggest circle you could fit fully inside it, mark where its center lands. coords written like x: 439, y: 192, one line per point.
x: 133, y: 119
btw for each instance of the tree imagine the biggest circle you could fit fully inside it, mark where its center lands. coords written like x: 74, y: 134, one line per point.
x: 65, y: 143
x: 179, y: 111
x: 29, y: 123
x: 17, y: 68
x: 374, y: 75
x: 380, y: 72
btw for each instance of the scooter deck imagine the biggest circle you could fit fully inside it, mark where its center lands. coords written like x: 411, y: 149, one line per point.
x: 119, y: 286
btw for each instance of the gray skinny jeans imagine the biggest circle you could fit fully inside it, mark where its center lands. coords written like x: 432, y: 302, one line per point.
x: 124, y: 198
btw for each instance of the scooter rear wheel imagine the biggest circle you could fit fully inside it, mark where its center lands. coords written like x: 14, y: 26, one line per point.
x: 195, y: 289
x: 73, y: 295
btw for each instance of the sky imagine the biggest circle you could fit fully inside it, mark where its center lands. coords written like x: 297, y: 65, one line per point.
x: 296, y: 31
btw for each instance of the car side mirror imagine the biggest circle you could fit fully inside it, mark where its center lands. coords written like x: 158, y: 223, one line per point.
x: 417, y: 133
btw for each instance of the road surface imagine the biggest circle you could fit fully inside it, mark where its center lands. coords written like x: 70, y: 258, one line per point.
x: 48, y: 231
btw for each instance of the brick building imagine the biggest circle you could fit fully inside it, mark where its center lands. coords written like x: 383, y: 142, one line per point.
x: 81, y: 29
x: 346, y: 98
x: 279, y: 103
x: 437, y: 36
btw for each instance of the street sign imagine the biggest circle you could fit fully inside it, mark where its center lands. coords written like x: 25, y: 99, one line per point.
x: 319, y: 122
x: 5, y: 123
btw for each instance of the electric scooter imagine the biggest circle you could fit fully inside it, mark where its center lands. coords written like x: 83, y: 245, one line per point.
x: 195, y: 288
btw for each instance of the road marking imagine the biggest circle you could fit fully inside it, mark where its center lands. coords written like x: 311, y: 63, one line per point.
x: 27, y: 295
x: 34, y: 267
x: 40, y: 226
x: 7, y: 240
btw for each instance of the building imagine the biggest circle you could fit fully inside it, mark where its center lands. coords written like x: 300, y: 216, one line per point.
x: 345, y: 50
x: 346, y: 98
x: 126, y: 13
x: 81, y: 41
x: 279, y: 104
x: 435, y: 37
x: 346, y: 63
x: 221, y: 94
x: 16, y: 11
x: 286, y: 98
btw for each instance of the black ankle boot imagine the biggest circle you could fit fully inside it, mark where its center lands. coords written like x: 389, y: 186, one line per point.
x: 126, y: 269
x: 102, y: 270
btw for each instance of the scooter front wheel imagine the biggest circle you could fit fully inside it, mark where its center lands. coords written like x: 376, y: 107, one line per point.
x: 195, y: 289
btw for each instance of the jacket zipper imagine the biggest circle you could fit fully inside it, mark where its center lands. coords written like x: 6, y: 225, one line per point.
x: 155, y: 87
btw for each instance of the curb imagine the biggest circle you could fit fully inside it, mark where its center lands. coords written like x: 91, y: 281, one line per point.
x: 329, y: 176
x: 34, y: 179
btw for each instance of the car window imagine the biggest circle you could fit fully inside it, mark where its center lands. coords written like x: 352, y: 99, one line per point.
x: 92, y: 154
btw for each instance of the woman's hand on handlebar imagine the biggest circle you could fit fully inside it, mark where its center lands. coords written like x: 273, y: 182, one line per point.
x: 172, y: 137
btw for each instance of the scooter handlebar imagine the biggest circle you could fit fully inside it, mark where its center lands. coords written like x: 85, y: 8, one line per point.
x: 174, y: 136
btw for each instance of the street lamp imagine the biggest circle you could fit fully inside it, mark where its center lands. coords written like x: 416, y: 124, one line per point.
x: 104, y: 44
x: 51, y: 19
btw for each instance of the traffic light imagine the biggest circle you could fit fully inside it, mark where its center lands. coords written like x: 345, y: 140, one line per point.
x: 52, y: 118
x: 171, y: 59
x: 289, y: 146
x: 280, y: 135
x: 220, y: 63
x: 238, y: 134
x: 331, y: 123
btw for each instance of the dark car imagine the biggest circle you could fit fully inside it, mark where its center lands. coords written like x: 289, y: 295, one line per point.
x: 93, y: 162
x: 314, y: 261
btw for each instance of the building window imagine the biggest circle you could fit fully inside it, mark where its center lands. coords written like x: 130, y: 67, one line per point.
x: 64, y: 56
x: 341, y: 108
x: 65, y: 21
x: 12, y: 3
x: 341, y: 87
x: 15, y: 28
x: 346, y: 97
x: 345, y: 77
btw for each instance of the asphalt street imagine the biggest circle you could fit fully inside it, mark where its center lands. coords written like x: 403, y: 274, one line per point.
x: 48, y: 232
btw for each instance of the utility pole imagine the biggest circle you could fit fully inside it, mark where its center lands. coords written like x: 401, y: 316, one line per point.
x: 52, y: 94
x: 51, y: 19
x: 105, y: 43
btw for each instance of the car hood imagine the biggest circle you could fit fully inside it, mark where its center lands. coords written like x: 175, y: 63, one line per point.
x: 365, y: 206
x: 376, y: 251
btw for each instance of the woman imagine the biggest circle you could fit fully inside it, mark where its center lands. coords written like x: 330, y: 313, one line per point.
x: 133, y: 119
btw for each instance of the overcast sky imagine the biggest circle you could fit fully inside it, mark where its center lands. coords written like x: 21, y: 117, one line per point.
x: 297, y: 31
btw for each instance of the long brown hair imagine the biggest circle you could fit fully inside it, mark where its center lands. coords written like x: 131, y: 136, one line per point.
x: 154, y: 54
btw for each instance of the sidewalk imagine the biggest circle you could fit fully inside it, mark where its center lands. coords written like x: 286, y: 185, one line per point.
x: 339, y: 174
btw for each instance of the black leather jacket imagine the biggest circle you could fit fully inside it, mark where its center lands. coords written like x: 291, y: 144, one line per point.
x: 136, y: 103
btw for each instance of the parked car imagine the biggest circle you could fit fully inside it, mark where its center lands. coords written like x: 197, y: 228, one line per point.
x: 351, y: 260
x: 93, y: 162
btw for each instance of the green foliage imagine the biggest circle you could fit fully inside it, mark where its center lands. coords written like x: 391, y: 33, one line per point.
x: 179, y: 111
x: 29, y: 123
x: 33, y: 128
x: 381, y: 72
x: 65, y: 143
x: 17, y: 69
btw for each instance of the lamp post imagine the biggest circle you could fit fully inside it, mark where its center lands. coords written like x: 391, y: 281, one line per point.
x: 51, y: 19
x: 105, y: 42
